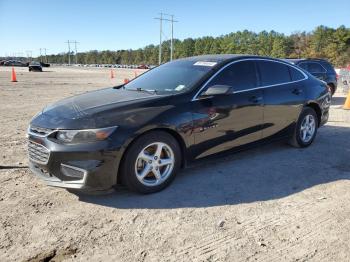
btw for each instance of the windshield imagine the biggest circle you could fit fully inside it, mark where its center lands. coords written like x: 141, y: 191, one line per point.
x: 172, y: 77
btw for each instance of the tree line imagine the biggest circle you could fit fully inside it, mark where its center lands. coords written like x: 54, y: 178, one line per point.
x: 323, y: 42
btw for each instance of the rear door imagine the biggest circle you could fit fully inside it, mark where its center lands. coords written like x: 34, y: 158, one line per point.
x: 284, y: 96
x: 225, y: 121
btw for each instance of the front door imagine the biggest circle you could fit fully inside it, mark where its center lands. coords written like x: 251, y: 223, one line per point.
x: 222, y: 122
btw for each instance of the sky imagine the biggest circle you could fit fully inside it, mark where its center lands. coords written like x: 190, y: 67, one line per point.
x: 106, y: 24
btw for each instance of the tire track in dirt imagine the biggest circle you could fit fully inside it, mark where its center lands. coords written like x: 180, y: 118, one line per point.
x: 286, y: 247
x: 210, y: 245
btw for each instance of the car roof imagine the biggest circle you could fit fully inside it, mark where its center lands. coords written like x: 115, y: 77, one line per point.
x: 223, y: 58
x: 298, y: 60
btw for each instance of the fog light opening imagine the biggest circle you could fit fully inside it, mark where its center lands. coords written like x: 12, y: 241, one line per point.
x: 72, y: 171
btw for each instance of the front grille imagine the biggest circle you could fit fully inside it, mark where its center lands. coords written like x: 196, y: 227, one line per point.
x: 40, y: 131
x: 38, y: 153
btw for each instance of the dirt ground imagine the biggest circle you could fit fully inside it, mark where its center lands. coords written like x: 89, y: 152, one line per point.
x: 273, y: 203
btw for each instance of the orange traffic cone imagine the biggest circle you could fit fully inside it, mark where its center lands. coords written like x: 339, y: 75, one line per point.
x: 112, y: 74
x: 126, y: 80
x: 13, y: 75
x: 347, y: 102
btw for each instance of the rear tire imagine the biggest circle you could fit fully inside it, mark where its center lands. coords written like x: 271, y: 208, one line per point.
x: 306, y: 128
x: 151, y: 162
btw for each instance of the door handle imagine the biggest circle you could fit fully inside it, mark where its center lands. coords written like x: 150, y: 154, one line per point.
x: 255, y: 99
x: 297, y: 91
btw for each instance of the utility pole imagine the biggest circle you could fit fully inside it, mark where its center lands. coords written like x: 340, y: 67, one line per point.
x: 161, y: 19
x: 172, y: 38
x: 45, y: 55
x: 160, y: 37
x: 76, y: 52
x: 69, y: 42
x: 19, y: 56
x: 29, y: 55
x: 40, y: 54
x: 68, y: 52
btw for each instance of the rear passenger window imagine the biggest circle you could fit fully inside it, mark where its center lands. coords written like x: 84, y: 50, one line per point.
x: 315, y: 68
x: 240, y: 76
x: 327, y: 66
x: 295, y: 74
x: 272, y: 73
x: 303, y: 66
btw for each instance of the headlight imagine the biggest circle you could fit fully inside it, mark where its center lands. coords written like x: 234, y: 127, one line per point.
x: 83, y: 136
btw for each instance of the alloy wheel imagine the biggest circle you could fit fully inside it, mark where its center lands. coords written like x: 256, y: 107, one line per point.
x: 154, y: 164
x: 308, y: 128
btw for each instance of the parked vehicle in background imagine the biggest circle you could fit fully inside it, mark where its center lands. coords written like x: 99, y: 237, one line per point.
x: 344, y: 75
x: 44, y: 64
x: 142, y: 66
x: 14, y: 63
x: 319, y: 68
x: 35, y: 67
x: 141, y: 133
x: 344, y: 79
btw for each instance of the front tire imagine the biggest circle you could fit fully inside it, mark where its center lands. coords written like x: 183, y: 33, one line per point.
x: 151, y: 162
x: 306, y: 128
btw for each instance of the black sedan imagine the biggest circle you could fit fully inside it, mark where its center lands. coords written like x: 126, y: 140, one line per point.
x: 140, y: 134
x: 35, y: 67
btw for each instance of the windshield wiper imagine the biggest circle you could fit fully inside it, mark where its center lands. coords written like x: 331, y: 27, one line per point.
x: 150, y: 91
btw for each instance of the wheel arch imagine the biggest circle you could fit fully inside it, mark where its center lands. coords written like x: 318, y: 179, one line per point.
x: 317, y: 109
x: 180, y: 140
x: 332, y: 86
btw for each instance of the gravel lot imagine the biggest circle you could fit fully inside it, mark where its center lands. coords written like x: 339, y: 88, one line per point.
x: 274, y: 203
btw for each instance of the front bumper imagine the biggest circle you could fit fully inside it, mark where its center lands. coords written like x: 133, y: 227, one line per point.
x: 90, y: 166
x: 51, y: 180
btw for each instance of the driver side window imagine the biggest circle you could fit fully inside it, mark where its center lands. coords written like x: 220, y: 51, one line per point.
x: 240, y: 76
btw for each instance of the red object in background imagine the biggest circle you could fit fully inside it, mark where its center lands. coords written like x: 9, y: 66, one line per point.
x: 348, y: 67
x: 143, y: 67
x: 126, y: 80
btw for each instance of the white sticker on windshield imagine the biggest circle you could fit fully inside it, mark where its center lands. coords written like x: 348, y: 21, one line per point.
x: 204, y: 63
x: 179, y: 87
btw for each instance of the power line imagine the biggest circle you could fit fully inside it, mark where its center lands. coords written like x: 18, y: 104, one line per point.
x: 40, y: 55
x: 68, y: 51
x: 69, y: 42
x: 42, y: 51
x: 29, y: 55
x: 160, y: 38
x: 161, y: 19
x: 45, y: 55
x: 76, y: 52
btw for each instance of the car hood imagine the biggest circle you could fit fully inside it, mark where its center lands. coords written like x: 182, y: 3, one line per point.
x: 85, y: 110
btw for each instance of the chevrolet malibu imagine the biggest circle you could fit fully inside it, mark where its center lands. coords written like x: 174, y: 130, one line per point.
x: 141, y: 133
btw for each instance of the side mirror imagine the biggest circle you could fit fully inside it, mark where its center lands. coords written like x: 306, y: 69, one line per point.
x: 218, y: 90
